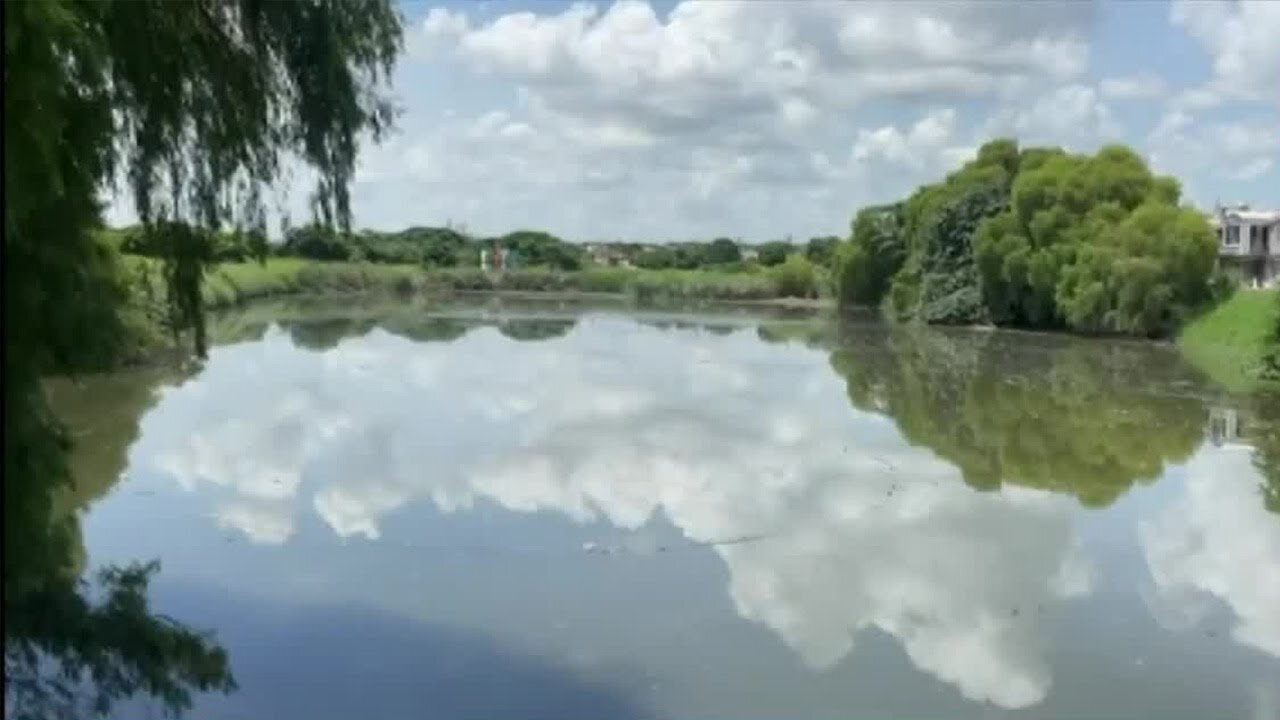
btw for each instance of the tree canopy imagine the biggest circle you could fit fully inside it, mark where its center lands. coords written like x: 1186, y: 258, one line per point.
x: 774, y: 252
x: 1037, y: 237
x: 723, y: 250
x: 194, y: 109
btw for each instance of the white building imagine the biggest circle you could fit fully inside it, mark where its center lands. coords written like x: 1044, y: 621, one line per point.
x: 1249, y: 243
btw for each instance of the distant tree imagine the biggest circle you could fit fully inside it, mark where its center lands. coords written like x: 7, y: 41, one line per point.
x: 723, y: 250
x: 774, y: 253
x: 541, y: 249
x: 440, y: 247
x: 656, y: 258
x: 821, y: 250
x: 316, y: 242
x: 690, y: 256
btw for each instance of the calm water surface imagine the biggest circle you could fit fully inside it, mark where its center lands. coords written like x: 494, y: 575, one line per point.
x: 547, y: 511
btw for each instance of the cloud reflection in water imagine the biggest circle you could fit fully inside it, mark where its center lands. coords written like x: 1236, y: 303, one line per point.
x: 724, y: 436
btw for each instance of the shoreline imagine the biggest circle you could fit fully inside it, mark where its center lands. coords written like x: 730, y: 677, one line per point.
x: 1226, y: 343
x: 788, y: 303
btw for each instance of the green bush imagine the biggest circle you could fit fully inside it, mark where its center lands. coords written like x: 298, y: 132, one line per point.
x: 795, y: 278
x: 774, y: 253
x: 821, y: 251
x: 867, y: 263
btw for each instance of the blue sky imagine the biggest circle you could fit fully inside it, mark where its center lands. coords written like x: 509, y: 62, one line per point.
x: 762, y: 119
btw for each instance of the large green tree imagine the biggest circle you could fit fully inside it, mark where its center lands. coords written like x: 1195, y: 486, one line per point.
x: 1096, y: 242
x: 1037, y: 237
x: 194, y: 109
x: 873, y: 256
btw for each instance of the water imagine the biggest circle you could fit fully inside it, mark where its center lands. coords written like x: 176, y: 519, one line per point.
x: 548, y: 511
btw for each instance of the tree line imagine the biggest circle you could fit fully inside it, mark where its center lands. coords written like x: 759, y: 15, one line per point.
x: 445, y: 247
x: 1037, y: 238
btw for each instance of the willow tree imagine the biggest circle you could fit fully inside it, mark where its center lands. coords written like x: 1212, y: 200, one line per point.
x: 195, y: 110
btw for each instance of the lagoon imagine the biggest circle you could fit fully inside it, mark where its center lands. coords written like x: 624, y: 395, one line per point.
x: 559, y: 510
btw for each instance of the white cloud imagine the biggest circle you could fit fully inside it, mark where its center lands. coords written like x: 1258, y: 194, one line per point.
x: 1218, y: 540
x: 1197, y: 152
x: 616, y: 120
x: 707, y: 57
x: 1240, y: 38
x: 797, y: 112
x: 710, y: 118
x: 1072, y: 115
x: 1254, y: 168
x: 264, y: 524
x: 920, y: 146
x: 860, y: 530
x: 1240, y: 139
x: 1132, y: 87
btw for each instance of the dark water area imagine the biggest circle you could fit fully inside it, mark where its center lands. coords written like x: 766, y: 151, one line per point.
x: 498, y: 510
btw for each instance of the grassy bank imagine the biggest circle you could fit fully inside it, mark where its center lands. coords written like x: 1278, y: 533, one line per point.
x: 1230, y: 342
x: 146, y: 318
x: 230, y: 284
x: 644, y: 285
x: 233, y: 283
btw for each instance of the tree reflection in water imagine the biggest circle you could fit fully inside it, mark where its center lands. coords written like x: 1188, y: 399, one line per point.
x: 1080, y: 417
x: 74, y: 647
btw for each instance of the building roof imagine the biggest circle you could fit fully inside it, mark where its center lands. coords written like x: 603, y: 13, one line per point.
x: 1255, y: 216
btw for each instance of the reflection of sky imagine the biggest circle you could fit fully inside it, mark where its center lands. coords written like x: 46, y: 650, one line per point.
x: 1218, y: 541
x: 723, y: 436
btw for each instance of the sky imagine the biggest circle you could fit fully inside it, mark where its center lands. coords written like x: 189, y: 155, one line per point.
x: 642, y: 120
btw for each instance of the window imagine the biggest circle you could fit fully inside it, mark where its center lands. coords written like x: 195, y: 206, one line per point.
x: 1233, y: 235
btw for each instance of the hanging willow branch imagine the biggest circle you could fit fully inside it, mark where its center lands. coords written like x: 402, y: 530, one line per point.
x: 215, y: 99
x: 199, y: 107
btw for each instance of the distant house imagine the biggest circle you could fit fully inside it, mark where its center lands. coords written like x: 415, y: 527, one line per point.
x: 1249, y: 243
x: 607, y: 254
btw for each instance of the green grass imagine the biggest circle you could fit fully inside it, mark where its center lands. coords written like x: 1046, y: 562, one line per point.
x: 1228, y: 342
x: 233, y: 283
x: 645, y: 285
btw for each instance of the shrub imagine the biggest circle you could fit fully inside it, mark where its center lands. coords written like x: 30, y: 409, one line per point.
x: 795, y: 278
x: 774, y: 253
